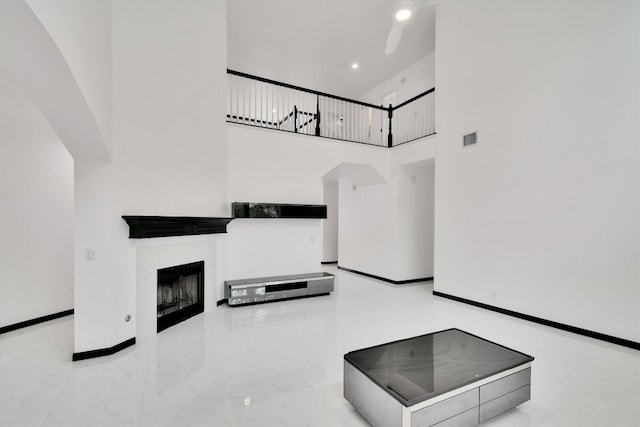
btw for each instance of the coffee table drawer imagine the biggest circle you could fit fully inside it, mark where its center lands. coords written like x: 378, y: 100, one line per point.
x: 465, y: 419
x: 434, y: 414
x: 505, y: 385
x: 504, y: 403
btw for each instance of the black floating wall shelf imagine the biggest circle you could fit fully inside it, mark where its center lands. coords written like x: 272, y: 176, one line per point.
x: 274, y: 210
x: 142, y: 227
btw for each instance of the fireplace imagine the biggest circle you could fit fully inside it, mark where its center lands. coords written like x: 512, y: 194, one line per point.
x: 180, y: 293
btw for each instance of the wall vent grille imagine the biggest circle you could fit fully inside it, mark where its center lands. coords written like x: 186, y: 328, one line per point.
x: 469, y: 139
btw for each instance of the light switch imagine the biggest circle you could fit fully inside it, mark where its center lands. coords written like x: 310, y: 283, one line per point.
x: 90, y: 255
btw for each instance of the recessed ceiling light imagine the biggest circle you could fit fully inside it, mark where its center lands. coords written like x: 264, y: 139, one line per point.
x: 403, y: 15
x: 354, y: 66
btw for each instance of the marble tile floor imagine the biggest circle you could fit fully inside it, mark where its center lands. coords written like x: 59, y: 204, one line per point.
x: 280, y: 364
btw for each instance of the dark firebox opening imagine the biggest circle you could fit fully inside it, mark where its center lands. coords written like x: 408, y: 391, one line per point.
x: 180, y: 293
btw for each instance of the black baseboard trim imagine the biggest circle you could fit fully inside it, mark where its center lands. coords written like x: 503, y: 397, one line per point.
x: 103, y: 351
x: 568, y: 328
x: 35, y: 321
x: 384, y: 279
x: 222, y: 301
x: 328, y: 262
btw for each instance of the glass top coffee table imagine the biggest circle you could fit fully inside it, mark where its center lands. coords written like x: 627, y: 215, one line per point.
x: 445, y: 378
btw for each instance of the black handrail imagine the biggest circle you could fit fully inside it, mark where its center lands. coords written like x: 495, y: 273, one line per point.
x: 290, y: 86
x: 281, y: 122
x: 248, y: 119
x: 408, y: 101
x: 328, y: 95
x: 306, y: 123
x: 295, y: 112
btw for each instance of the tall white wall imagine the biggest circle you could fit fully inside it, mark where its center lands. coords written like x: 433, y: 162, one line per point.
x: 544, y: 211
x: 82, y: 31
x: 34, y: 59
x: 415, y: 225
x: 277, y: 167
x: 387, y: 229
x: 367, y: 228
x: 168, y: 149
x: 36, y: 212
x: 169, y: 69
x: 330, y: 225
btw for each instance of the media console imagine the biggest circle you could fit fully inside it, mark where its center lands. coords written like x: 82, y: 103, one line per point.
x: 274, y: 288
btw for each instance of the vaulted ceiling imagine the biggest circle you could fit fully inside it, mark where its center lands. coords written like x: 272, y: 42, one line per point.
x: 312, y: 43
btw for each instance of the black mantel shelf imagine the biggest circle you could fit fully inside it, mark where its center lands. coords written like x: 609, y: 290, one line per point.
x: 142, y: 227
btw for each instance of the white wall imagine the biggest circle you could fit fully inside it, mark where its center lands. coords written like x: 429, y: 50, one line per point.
x: 418, y: 77
x: 82, y: 31
x: 277, y: 167
x: 545, y: 210
x: 36, y: 212
x: 36, y: 62
x: 168, y: 150
x: 96, y: 230
x: 387, y: 229
x: 414, y: 238
x: 169, y: 106
x: 367, y: 228
x: 330, y: 225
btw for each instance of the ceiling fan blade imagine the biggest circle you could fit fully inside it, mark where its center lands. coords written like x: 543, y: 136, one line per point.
x: 394, y: 38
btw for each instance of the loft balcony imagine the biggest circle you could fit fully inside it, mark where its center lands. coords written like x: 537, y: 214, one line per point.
x: 260, y: 102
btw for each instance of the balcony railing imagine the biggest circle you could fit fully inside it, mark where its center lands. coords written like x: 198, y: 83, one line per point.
x: 261, y: 102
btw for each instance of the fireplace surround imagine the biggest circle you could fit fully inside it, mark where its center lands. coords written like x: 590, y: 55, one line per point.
x: 180, y: 293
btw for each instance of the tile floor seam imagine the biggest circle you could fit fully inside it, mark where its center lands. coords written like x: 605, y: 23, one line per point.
x: 54, y: 401
x: 144, y: 379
